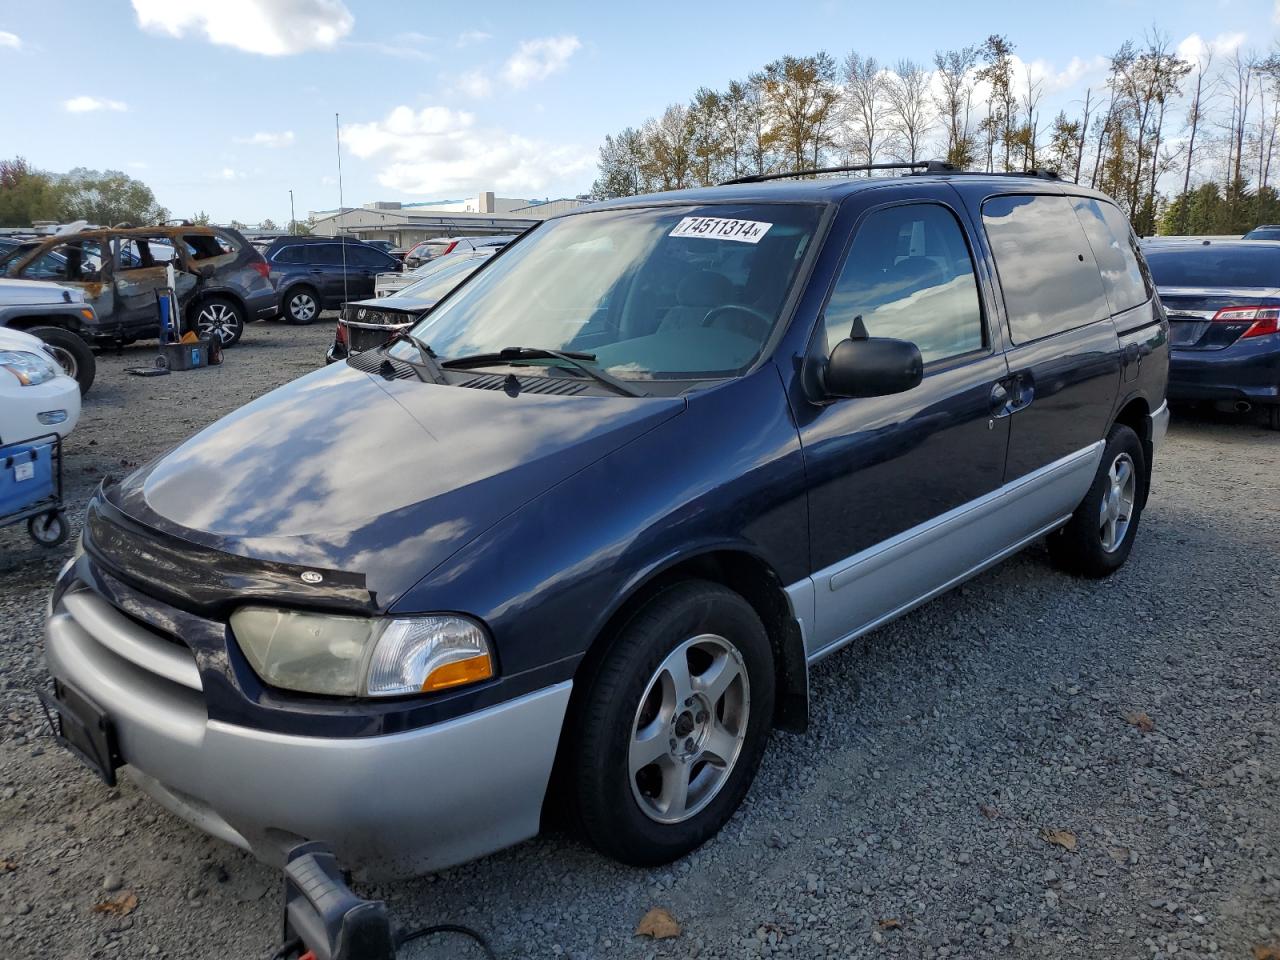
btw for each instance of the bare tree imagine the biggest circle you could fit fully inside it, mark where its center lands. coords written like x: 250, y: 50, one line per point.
x: 864, y: 87
x: 1195, y: 114
x: 907, y: 93
x: 954, y: 70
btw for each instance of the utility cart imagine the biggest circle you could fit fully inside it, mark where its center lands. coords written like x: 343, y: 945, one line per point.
x: 31, y: 488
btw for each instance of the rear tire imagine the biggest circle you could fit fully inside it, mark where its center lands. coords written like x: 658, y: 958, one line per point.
x: 72, y: 353
x: 221, y: 318
x: 1097, y: 539
x: 302, y: 306
x: 689, y: 678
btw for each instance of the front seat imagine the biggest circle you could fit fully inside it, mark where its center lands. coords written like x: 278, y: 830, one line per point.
x: 697, y: 294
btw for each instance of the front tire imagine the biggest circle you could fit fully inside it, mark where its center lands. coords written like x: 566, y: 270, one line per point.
x: 1097, y: 539
x: 72, y: 354
x: 673, y: 724
x: 221, y: 318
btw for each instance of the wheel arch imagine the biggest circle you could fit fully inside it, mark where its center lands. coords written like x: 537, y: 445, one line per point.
x: 750, y: 576
x: 1135, y: 413
x: 218, y: 293
x: 63, y: 321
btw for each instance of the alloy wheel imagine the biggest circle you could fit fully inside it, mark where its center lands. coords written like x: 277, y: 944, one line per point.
x: 689, y: 729
x: 65, y: 358
x: 218, y: 319
x: 302, y: 307
x: 1118, y: 500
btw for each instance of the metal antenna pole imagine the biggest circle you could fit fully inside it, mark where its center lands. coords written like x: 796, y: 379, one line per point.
x: 342, y: 238
x: 293, y: 217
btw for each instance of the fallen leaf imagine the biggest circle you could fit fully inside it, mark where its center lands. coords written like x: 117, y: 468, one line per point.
x: 8, y: 866
x: 1266, y: 952
x: 988, y: 811
x: 659, y: 924
x: 1062, y: 838
x: 1141, y: 721
x: 119, y: 906
x: 893, y: 923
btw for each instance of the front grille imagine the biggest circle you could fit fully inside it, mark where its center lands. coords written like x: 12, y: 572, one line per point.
x: 126, y: 638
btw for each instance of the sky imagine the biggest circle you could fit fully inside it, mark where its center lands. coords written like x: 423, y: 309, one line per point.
x: 223, y: 106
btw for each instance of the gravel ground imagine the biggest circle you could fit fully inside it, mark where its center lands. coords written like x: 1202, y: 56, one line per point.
x: 1139, y: 716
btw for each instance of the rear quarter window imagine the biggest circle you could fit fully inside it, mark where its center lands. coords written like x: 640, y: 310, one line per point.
x: 1116, y: 250
x: 1046, y: 266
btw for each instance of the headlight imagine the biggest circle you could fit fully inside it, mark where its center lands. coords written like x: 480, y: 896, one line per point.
x: 358, y: 656
x: 29, y: 368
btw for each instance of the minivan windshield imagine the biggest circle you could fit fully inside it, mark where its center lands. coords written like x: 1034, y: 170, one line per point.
x: 1207, y: 265
x: 652, y: 293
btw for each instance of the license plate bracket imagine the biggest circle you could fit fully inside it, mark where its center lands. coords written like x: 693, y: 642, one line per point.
x: 84, y: 728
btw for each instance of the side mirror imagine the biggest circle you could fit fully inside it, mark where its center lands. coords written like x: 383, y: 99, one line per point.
x: 872, y: 367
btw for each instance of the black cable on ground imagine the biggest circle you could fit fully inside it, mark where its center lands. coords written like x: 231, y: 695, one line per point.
x: 447, y: 928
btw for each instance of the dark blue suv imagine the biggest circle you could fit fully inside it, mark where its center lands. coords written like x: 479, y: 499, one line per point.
x: 322, y: 273
x: 594, y: 517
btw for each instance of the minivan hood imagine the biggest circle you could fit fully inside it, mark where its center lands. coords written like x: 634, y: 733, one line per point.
x: 345, y: 471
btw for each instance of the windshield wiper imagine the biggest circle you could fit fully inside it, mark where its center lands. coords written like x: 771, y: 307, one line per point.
x: 426, y: 359
x: 579, y: 361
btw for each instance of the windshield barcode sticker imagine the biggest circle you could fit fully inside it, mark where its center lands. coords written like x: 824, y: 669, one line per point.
x: 721, y: 228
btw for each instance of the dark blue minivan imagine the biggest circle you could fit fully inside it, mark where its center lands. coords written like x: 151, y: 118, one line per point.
x: 591, y: 521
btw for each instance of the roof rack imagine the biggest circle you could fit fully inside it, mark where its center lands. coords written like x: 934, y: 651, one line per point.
x: 930, y: 166
x: 915, y: 168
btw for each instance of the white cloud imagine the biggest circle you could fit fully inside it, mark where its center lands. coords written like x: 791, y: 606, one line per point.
x: 10, y: 40
x: 270, y: 27
x: 1197, y: 50
x: 139, y: 165
x: 469, y: 37
x: 399, y: 50
x: 1275, y: 14
x: 475, y: 83
x: 1078, y: 71
x: 227, y: 173
x: 85, y: 104
x: 282, y: 139
x: 437, y: 149
x: 538, y: 59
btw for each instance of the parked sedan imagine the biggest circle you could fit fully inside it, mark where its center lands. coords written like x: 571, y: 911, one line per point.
x: 367, y: 324
x: 388, y: 283
x: 1223, y: 302
x: 1264, y: 231
x: 36, y: 397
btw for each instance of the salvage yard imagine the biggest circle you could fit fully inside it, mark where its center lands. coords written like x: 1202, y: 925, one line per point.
x: 1031, y: 766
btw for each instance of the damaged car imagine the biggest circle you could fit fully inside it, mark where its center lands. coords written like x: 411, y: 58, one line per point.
x: 221, y: 281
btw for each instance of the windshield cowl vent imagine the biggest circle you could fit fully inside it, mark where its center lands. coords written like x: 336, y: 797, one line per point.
x: 379, y: 364
x: 559, y: 386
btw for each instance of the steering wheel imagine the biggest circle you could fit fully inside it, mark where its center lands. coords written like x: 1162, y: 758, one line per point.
x: 760, y: 321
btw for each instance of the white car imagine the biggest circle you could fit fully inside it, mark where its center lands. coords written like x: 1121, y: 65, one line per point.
x: 389, y: 284
x: 36, y: 396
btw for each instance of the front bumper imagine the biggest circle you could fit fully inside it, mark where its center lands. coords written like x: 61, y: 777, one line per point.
x: 389, y: 806
x: 1247, y: 370
x: 20, y: 408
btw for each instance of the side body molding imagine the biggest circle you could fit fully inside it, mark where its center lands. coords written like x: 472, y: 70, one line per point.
x: 854, y: 595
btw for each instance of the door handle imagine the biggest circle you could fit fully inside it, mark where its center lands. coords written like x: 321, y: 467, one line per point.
x: 999, y: 399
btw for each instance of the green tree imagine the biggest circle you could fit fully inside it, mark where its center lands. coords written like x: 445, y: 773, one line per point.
x: 108, y: 198
x: 267, y: 224
x: 27, y: 194
x: 201, y: 219
x: 622, y: 160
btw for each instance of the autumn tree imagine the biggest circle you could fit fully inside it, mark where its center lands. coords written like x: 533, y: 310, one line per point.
x: 799, y: 100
